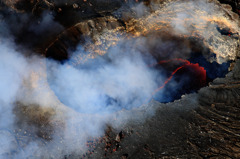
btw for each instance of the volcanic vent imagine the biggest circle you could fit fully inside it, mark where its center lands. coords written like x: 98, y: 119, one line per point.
x: 137, y: 79
x: 186, y: 48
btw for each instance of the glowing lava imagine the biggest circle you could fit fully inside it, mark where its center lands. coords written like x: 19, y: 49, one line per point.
x: 197, y: 74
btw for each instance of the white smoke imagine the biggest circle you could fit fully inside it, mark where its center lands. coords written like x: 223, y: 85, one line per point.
x: 107, y: 84
x: 80, y: 99
x: 196, y: 19
x: 120, y: 81
x: 13, y: 68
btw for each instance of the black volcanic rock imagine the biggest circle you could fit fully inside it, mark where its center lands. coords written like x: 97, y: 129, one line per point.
x: 202, y: 125
x: 67, y: 41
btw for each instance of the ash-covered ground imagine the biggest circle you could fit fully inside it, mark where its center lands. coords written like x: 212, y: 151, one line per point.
x: 101, y: 79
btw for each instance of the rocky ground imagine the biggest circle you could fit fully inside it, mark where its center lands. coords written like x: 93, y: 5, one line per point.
x: 205, y: 124
x: 201, y: 125
x: 206, y: 128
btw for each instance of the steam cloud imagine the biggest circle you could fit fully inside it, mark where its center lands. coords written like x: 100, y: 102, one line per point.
x: 88, y: 93
x: 90, y: 90
x: 106, y: 84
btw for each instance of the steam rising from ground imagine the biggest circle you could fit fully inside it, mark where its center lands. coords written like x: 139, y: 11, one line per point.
x: 106, y: 84
x: 197, y: 19
x: 90, y: 91
x: 13, y: 68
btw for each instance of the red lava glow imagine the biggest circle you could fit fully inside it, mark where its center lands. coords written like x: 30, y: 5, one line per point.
x: 200, y: 72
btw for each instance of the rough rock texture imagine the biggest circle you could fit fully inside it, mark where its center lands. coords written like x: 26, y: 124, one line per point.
x: 88, y: 33
x: 216, y: 28
x: 203, y: 125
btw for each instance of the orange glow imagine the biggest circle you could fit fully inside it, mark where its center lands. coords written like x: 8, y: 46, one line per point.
x: 186, y: 64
